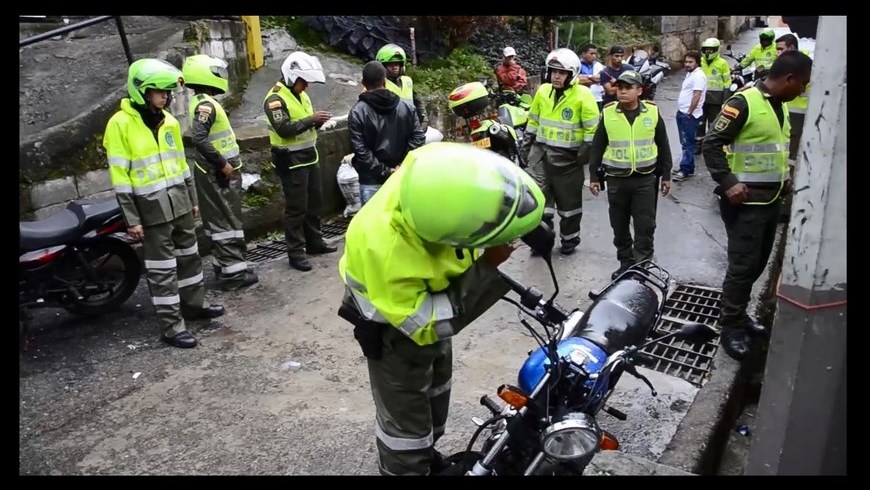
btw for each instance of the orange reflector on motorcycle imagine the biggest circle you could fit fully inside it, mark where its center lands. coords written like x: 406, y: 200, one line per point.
x: 513, y: 396
x: 608, y: 442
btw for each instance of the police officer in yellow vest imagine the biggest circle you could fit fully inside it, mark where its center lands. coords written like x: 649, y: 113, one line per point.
x: 293, y: 127
x: 762, y: 53
x: 413, y: 279
x: 752, y: 176
x: 631, y: 145
x: 562, y: 121
x: 157, y: 195
x: 797, y: 108
x: 394, y: 59
x: 718, y: 80
x: 217, y: 162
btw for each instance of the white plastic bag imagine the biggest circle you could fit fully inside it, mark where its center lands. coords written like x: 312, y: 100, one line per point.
x: 348, y: 182
x: 433, y: 135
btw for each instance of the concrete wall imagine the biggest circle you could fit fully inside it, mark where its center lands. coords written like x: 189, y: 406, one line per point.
x: 682, y: 33
x: 72, y: 154
x: 731, y: 26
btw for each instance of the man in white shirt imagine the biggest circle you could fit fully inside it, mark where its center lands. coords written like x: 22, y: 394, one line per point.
x: 689, y: 110
x: 589, y: 68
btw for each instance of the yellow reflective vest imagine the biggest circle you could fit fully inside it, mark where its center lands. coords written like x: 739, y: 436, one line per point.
x: 397, y: 278
x: 221, y: 135
x: 298, y: 109
x: 631, y: 147
x: 150, y: 175
x: 759, y: 153
x: 406, y: 91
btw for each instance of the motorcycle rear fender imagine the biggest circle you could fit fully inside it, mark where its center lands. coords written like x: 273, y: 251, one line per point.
x: 41, y: 256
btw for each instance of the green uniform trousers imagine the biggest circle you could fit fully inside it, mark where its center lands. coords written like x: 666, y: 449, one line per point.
x: 221, y: 210
x: 633, y: 198
x: 411, y: 389
x: 751, y: 232
x: 564, y: 185
x: 173, y: 270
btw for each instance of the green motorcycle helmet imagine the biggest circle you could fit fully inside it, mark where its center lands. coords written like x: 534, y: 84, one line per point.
x: 202, y: 70
x: 392, y: 53
x: 467, y: 197
x: 767, y: 33
x: 710, y: 49
x: 154, y: 74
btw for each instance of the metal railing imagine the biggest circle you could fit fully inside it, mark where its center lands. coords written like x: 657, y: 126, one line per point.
x: 81, y: 25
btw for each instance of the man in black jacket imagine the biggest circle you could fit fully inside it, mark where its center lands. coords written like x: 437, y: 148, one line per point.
x: 383, y: 129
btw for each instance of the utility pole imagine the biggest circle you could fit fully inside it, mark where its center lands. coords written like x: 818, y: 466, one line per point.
x: 801, y: 426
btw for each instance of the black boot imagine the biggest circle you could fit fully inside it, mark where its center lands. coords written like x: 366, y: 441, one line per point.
x: 756, y: 329
x: 735, y: 341
x: 618, y: 272
x: 184, y: 340
x: 300, y: 263
x: 323, y: 248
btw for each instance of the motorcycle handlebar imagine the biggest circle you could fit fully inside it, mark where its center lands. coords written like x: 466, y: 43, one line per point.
x: 529, y: 296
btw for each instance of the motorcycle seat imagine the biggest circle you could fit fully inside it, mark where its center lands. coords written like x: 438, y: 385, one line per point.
x: 96, y: 211
x: 57, y: 229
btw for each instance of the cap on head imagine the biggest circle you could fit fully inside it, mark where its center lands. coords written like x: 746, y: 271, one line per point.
x: 509, y: 51
x: 630, y: 76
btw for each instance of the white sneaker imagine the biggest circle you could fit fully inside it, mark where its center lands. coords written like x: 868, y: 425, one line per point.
x: 679, y: 176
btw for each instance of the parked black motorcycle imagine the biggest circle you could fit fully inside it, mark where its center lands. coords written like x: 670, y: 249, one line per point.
x: 80, y: 259
x: 651, y: 71
x: 547, y: 424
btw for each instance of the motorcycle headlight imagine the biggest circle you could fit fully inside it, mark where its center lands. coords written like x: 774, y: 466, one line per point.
x: 574, y: 437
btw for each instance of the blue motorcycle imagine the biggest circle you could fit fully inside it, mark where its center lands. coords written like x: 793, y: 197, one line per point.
x: 546, y: 424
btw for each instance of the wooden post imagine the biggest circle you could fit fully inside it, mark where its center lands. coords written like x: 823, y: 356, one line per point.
x: 254, y: 41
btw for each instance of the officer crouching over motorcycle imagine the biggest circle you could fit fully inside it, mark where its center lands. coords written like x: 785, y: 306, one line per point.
x: 414, y: 279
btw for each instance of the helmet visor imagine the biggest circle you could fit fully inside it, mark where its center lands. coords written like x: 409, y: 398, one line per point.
x: 708, y: 50
x: 510, y: 190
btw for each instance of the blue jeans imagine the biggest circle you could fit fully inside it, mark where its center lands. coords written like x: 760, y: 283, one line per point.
x: 687, y: 126
x: 366, y: 191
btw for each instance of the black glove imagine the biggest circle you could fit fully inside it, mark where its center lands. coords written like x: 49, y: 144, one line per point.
x: 366, y: 332
x: 222, y: 180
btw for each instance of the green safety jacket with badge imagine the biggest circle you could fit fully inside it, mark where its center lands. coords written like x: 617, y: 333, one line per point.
x: 148, y: 169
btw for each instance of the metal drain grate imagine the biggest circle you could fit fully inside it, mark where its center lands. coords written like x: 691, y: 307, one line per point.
x: 335, y: 228
x: 267, y: 252
x: 686, y: 304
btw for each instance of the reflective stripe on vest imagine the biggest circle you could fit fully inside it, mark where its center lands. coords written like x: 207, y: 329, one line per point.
x: 221, y: 135
x: 153, y: 165
x: 435, y: 308
x: 717, y: 78
x: 800, y: 103
x: 631, y: 148
x: 298, y: 109
x: 759, y: 153
x: 560, y: 125
x: 406, y: 91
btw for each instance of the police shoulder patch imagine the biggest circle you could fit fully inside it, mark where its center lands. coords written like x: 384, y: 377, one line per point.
x: 204, y: 108
x: 275, y: 104
x: 721, y: 123
x: 277, y: 115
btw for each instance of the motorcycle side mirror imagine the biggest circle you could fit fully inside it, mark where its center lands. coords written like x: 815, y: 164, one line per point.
x: 541, y: 240
x: 696, y: 333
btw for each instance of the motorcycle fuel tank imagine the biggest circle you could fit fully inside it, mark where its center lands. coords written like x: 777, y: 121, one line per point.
x: 579, y: 350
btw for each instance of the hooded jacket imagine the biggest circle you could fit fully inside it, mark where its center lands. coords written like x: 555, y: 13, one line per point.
x: 383, y: 129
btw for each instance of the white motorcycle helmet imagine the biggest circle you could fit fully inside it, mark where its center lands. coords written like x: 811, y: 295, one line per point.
x: 564, y: 59
x: 299, y: 64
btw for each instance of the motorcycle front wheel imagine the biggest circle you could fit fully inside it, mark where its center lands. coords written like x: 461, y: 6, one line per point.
x: 117, y: 269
